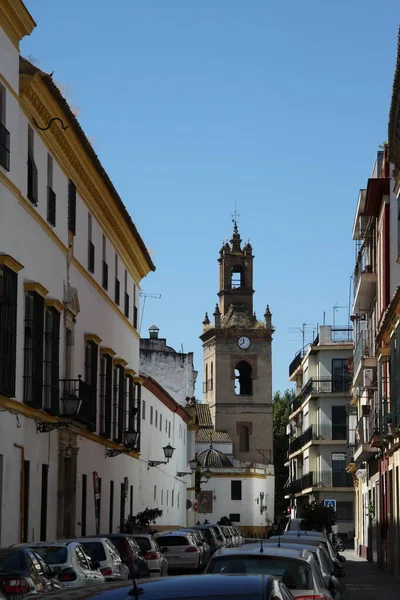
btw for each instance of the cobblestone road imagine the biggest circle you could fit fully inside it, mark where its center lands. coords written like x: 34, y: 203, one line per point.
x: 364, y: 581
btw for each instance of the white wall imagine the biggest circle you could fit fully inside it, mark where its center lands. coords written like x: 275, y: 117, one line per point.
x: 247, y: 507
x: 174, y: 371
x: 394, y: 235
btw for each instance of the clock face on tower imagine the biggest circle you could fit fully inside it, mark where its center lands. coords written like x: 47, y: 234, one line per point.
x: 243, y: 342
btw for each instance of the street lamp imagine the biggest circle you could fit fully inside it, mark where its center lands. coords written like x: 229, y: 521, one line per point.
x: 72, y: 402
x: 207, y: 475
x: 193, y: 463
x: 130, y: 440
x: 168, y: 452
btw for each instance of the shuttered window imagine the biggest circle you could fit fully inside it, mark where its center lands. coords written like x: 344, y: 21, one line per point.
x: 33, y: 350
x: 88, y: 411
x: 236, y: 490
x: 51, y: 360
x: 8, y: 330
x: 106, y: 387
x: 32, y: 191
x: 71, y: 207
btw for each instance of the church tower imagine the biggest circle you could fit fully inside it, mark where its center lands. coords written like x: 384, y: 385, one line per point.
x: 237, y: 358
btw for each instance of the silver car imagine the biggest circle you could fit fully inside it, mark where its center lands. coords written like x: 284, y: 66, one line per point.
x: 297, y: 569
x: 151, y: 551
x: 105, y: 553
x: 180, y: 550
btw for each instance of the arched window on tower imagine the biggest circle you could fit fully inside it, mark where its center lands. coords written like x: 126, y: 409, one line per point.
x: 205, y: 384
x: 243, y: 379
x: 237, y: 278
x: 212, y: 376
x: 244, y: 438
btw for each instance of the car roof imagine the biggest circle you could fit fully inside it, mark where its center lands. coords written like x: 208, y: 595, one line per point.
x: 45, y: 544
x: 90, y: 538
x: 174, y: 532
x: 142, y: 535
x: 172, y: 588
x: 308, y: 547
x: 304, y: 532
x: 266, y: 550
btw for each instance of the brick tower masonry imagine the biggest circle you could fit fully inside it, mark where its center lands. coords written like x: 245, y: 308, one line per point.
x: 237, y: 369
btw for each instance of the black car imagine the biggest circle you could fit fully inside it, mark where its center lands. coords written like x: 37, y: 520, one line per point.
x: 210, y: 536
x: 187, y: 587
x: 130, y: 553
x: 23, y: 573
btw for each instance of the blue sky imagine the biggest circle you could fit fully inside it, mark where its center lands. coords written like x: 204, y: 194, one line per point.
x: 191, y: 105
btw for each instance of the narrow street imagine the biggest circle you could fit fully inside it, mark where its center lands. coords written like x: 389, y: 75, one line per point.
x: 364, y: 581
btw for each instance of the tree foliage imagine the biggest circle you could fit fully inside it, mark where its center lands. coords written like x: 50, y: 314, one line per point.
x: 142, y: 520
x: 317, y: 517
x: 281, y: 412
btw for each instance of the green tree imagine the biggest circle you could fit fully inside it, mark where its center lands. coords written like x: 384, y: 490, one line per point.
x: 281, y: 412
x: 317, y: 517
x: 142, y: 520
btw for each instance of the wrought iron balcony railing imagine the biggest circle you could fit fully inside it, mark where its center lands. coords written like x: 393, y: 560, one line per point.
x: 323, y: 385
x: 321, y: 479
x: 322, y: 432
x: 365, y: 347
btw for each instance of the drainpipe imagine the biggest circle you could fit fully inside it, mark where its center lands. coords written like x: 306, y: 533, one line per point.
x: 21, y: 494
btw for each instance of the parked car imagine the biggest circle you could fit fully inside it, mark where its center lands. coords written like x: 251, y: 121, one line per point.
x: 218, y: 532
x: 23, y: 572
x: 130, y: 553
x: 228, y: 536
x: 180, y: 550
x: 201, y: 543
x: 69, y: 561
x: 313, y: 535
x: 211, y: 537
x: 329, y: 571
x: 297, y: 569
x: 185, y: 587
x: 151, y: 551
x: 103, y: 551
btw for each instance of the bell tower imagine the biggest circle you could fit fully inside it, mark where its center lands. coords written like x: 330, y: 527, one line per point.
x: 237, y: 366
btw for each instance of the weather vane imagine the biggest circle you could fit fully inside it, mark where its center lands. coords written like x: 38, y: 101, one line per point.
x: 235, y: 216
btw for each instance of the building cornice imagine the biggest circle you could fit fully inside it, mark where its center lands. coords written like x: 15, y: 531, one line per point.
x: 119, y: 362
x: 40, y: 99
x: 107, y: 351
x: 130, y: 372
x: 93, y: 337
x: 16, y: 20
x: 54, y: 303
x: 159, y: 392
x: 35, y: 286
x: 8, y: 261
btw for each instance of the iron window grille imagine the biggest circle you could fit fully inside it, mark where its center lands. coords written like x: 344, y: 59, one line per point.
x: 8, y: 330
x: 32, y: 179
x: 51, y: 360
x: 117, y: 291
x: 33, y: 350
x: 51, y: 206
x: 106, y: 389
x: 126, y: 307
x: 71, y: 207
x: 91, y: 252
x: 4, y: 147
x: 105, y: 275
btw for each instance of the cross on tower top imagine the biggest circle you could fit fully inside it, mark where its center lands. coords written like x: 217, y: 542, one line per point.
x: 235, y: 216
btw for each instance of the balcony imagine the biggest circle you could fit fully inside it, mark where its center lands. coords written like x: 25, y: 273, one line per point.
x: 4, y: 147
x: 321, y: 479
x: 85, y: 393
x: 296, y: 362
x: 364, y: 278
x: 367, y: 437
x: 319, y: 386
x: 364, y: 352
x: 319, y: 434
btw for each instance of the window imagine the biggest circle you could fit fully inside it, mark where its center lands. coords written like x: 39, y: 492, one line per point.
x: 105, y: 265
x: 117, y: 285
x: 118, y: 402
x: 71, y: 207
x: 169, y: 429
x: 341, y: 378
x: 4, y: 134
x: 236, y: 490
x: 212, y: 376
x: 167, y: 496
x: 236, y: 277
x: 151, y: 415
x: 339, y: 423
x: 172, y: 497
x: 144, y: 410
x: 160, y: 422
x: 162, y: 496
x: 33, y: 351
x: 178, y: 499
x: 88, y: 411
x: 51, y: 360
x: 243, y: 379
x: 135, y: 310
x: 105, y: 395
x: 111, y: 509
x: 244, y: 441
x: 8, y: 330
x: 234, y: 517
x: 156, y: 419
x: 155, y: 493
x: 166, y: 426
x: 345, y: 512
x: 206, y: 381
x: 51, y: 197
x: 32, y: 169
x: 132, y: 416
x: 91, y: 249
x: 126, y: 303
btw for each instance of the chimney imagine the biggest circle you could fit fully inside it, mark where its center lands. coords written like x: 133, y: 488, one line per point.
x: 153, y: 331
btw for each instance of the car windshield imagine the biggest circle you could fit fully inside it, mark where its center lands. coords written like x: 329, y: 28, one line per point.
x: 53, y: 555
x: 11, y: 561
x: 295, y: 574
x: 95, y: 549
x: 144, y: 543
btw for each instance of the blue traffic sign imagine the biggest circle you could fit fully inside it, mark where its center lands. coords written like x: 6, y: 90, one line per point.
x: 330, y: 504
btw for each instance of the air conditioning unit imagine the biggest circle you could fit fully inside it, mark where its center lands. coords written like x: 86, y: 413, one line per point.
x: 369, y: 378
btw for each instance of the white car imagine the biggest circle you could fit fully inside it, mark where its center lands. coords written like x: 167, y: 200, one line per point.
x: 180, y: 549
x: 151, y: 551
x: 70, y: 563
x: 105, y: 553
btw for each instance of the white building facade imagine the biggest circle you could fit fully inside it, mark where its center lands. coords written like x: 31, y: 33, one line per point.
x: 71, y: 262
